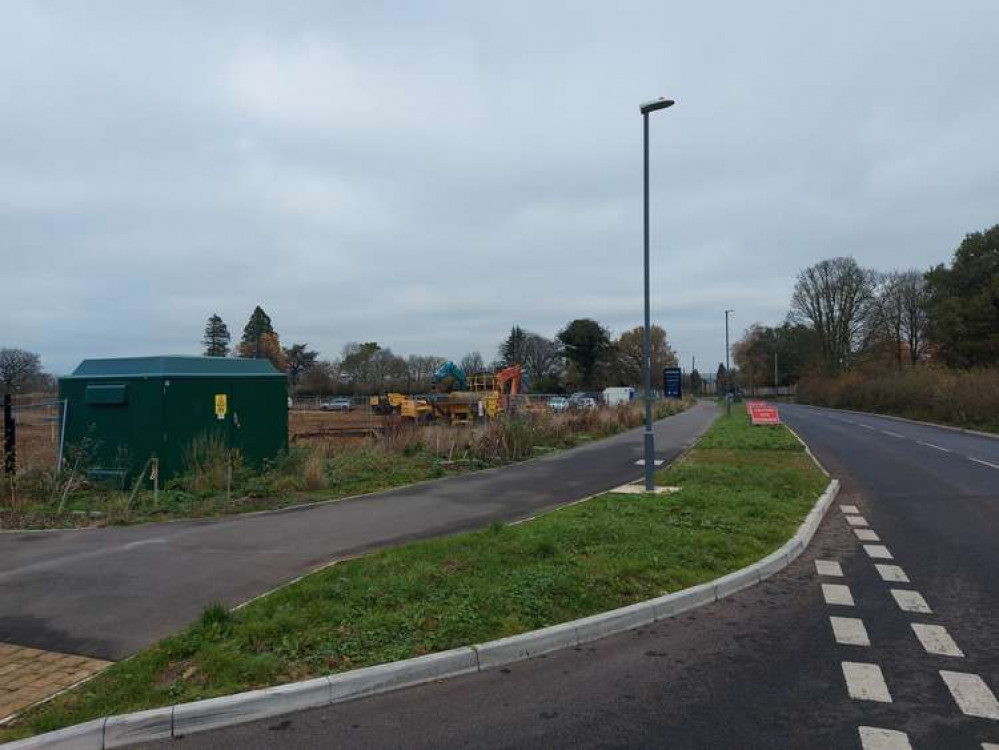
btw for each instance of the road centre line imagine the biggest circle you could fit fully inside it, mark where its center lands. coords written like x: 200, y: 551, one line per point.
x: 878, y: 552
x: 892, y: 573
x: 864, y: 682
x: 837, y: 593
x: 856, y: 521
x: 875, y: 738
x: 936, y: 640
x: 828, y: 568
x: 934, y: 446
x: 971, y: 694
x: 849, y: 631
x: 984, y: 463
x: 989, y: 746
x: 911, y: 601
x: 867, y: 426
x: 893, y: 434
x: 866, y: 535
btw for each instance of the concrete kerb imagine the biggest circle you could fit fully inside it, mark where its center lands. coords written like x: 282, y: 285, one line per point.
x: 188, y: 718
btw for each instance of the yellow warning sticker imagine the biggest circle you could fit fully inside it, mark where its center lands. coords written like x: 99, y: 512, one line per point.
x: 221, y: 405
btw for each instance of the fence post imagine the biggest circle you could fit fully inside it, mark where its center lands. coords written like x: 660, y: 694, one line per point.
x: 9, y: 437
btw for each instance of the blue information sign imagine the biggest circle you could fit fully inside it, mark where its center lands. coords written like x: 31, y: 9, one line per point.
x: 673, y: 382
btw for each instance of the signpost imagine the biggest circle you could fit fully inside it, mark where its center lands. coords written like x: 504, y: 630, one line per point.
x: 762, y: 413
x: 672, y: 382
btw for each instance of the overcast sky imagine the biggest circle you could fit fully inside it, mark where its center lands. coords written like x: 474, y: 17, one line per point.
x: 427, y: 174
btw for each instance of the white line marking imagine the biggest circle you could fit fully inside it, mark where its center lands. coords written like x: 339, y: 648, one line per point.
x: 837, y: 593
x: 866, y: 535
x: 971, y: 694
x: 878, y: 552
x: 989, y: 746
x: 893, y: 434
x: 828, y: 568
x: 866, y: 426
x: 864, y: 682
x: 656, y: 461
x: 856, y: 520
x: 892, y: 573
x: 849, y: 631
x: 911, y: 601
x: 875, y: 738
x: 934, y: 446
x: 936, y: 640
x: 849, y: 509
x: 984, y: 463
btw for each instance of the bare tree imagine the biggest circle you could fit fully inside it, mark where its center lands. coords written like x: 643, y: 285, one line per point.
x: 472, y: 363
x: 836, y: 297
x: 18, y: 368
x: 420, y: 370
x: 542, y: 357
x: 915, y: 319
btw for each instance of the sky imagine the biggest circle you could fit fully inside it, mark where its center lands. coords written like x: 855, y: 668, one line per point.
x: 426, y: 175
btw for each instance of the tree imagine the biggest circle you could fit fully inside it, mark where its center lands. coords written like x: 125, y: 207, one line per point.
x: 696, y: 382
x: 420, y: 372
x: 835, y: 297
x: 356, y: 363
x: 473, y: 364
x: 18, y: 369
x: 721, y: 379
x: 542, y: 359
x: 629, y: 350
x: 963, y: 303
x: 513, y: 348
x: 217, y: 337
x: 300, y: 359
x: 322, y: 379
x: 796, y: 348
x: 260, y: 340
x: 587, y: 346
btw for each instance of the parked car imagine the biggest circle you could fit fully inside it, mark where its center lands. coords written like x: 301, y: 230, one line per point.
x: 558, y: 404
x: 340, y: 403
x: 582, y: 400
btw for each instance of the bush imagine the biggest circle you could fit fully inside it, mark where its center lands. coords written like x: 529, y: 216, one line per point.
x: 965, y: 398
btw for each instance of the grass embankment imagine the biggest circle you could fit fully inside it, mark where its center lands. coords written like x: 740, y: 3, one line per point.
x: 744, y: 491
x: 961, y: 398
x: 310, y: 472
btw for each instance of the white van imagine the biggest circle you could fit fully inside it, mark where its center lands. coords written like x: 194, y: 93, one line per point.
x: 618, y: 396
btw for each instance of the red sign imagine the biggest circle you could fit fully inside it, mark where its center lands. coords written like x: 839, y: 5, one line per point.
x: 762, y: 413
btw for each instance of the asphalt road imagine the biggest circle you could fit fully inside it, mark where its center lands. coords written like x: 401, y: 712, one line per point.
x: 107, y: 593
x: 761, y: 669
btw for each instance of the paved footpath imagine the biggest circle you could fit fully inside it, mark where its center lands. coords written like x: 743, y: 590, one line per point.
x: 882, y: 636
x: 106, y: 593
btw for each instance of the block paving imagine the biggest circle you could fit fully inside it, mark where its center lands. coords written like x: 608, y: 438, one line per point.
x: 28, y: 675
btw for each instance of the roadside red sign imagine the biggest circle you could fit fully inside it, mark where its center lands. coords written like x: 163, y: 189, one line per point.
x: 762, y: 413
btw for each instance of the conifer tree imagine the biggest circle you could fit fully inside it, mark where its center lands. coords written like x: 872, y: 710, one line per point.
x: 217, y: 338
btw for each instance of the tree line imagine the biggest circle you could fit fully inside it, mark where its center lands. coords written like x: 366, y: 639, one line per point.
x: 581, y: 356
x: 845, y: 317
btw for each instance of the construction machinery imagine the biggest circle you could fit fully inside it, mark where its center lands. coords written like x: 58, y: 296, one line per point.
x: 408, y: 407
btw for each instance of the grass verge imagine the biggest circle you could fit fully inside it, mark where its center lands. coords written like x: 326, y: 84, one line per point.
x: 744, y: 491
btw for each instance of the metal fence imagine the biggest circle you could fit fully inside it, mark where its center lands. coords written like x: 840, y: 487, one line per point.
x: 33, y: 434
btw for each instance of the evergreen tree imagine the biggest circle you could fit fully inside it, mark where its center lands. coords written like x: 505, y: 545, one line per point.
x: 256, y: 327
x: 588, y: 347
x: 514, y: 348
x: 217, y: 337
x: 300, y: 359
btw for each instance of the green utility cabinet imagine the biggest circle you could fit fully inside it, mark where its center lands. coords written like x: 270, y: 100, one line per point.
x: 129, y: 410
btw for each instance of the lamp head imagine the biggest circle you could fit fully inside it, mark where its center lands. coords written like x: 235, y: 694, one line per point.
x: 656, y: 104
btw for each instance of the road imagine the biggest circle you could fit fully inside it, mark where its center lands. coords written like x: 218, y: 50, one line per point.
x: 106, y: 593
x: 764, y: 668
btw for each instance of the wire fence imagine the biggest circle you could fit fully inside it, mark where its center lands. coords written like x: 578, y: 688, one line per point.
x: 33, y: 435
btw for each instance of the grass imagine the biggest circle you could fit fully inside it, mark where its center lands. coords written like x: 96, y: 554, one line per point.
x: 744, y: 491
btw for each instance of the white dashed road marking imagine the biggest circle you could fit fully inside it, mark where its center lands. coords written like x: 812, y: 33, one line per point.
x: 849, y: 631
x: 971, y: 694
x: 985, y: 463
x: 936, y: 639
x: 828, y: 568
x: 878, y: 552
x: 892, y: 573
x: 873, y: 738
x: 892, y: 434
x: 866, y: 535
x: 856, y: 520
x: 989, y: 746
x: 866, y: 426
x: 849, y: 509
x: 911, y: 601
x: 936, y: 447
x: 837, y: 593
x: 864, y: 682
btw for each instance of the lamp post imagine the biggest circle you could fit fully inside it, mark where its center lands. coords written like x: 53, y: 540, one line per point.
x: 650, y: 440
x: 728, y: 369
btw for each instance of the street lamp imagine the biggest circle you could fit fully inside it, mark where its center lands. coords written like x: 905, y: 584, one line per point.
x: 650, y: 440
x: 728, y: 370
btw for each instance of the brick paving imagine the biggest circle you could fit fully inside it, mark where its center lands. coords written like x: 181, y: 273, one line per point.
x: 28, y: 675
